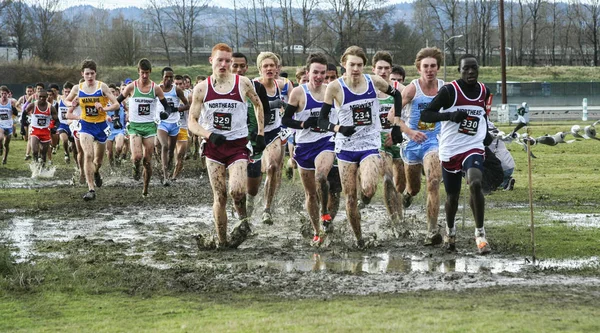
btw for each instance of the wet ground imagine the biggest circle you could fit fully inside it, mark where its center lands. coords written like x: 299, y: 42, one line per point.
x: 276, y: 259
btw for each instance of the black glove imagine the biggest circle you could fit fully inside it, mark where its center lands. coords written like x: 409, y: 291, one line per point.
x: 310, y: 122
x: 163, y: 115
x: 397, y: 135
x: 260, y: 144
x: 458, y: 116
x: 53, y: 130
x: 117, y: 123
x: 278, y: 103
x: 217, y: 139
x: 252, y: 136
x: 347, y: 130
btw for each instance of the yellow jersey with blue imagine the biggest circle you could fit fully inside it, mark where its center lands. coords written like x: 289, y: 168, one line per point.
x: 88, y: 102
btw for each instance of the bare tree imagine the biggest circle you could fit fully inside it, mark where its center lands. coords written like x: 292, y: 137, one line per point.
x: 15, y: 16
x: 184, y: 15
x: 46, y: 21
x: 124, y: 44
x: 158, y: 17
x: 589, y: 14
x: 534, y: 7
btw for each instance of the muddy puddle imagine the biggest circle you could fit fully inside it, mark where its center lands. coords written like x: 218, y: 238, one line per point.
x: 278, y: 258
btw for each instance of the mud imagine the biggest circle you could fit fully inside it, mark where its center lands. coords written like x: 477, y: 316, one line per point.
x: 160, y: 234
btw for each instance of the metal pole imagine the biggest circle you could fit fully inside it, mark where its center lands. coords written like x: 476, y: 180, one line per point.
x: 445, y: 65
x: 532, y: 225
x: 502, y: 52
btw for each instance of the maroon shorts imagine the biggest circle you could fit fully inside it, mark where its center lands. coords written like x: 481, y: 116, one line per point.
x: 470, y: 159
x: 227, y: 153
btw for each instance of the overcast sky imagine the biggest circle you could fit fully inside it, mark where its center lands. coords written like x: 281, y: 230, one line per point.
x: 111, y: 4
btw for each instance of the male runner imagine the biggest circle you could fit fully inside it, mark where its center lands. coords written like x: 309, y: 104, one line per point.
x: 314, y: 151
x: 41, y: 113
x: 7, y: 111
x: 357, y: 139
x: 142, y: 128
x: 392, y: 166
x: 63, y: 127
x: 239, y: 66
x: 398, y: 74
x: 220, y: 102
x: 116, y: 140
x: 168, y: 129
x: 421, y: 151
x: 92, y: 96
x: 460, y: 106
x: 268, y: 64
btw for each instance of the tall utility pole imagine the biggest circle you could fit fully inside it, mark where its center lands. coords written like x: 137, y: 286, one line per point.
x: 502, y: 52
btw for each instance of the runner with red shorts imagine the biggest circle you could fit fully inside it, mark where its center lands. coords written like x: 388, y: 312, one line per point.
x: 41, y: 115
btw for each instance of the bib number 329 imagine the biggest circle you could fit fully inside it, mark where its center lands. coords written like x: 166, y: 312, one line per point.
x: 222, y: 121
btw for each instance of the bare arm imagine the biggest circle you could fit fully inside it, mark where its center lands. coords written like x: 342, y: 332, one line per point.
x: 196, y: 111
x: 114, y: 104
x: 72, y: 96
x: 186, y: 103
x: 258, y: 106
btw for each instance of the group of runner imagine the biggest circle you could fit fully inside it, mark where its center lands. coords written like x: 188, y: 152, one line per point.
x: 347, y: 132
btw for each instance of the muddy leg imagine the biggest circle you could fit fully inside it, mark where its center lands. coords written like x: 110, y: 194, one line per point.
x: 433, y: 175
x: 310, y: 198
x: 348, y: 173
x: 216, y: 175
x: 148, y: 150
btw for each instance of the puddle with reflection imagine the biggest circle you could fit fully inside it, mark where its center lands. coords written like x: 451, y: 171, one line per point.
x: 386, y: 263
x: 575, y: 219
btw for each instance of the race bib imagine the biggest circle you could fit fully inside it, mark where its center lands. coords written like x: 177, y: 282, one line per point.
x: 107, y: 131
x: 143, y: 109
x: 271, y: 116
x: 469, y: 126
x: 42, y: 121
x: 4, y: 116
x: 222, y: 121
x: 91, y: 111
x: 361, y: 116
x: 64, y: 115
x: 285, y: 133
x: 385, y: 123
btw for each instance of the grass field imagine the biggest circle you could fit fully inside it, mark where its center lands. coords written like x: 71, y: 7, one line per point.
x: 97, y: 291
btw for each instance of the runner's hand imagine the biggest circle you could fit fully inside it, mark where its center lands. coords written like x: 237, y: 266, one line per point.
x: 217, y: 139
x: 260, y: 144
x: 163, y: 115
x: 310, y: 122
x: 116, y: 123
x: 458, y: 116
x: 397, y: 134
x: 347, y: 130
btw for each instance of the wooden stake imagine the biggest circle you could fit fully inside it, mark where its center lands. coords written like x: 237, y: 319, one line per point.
x: 532, y: 225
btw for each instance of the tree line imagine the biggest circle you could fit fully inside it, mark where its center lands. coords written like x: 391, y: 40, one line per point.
x: 174, y: 32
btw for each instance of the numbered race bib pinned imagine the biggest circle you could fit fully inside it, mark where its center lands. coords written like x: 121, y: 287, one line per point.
x: 469, y: 126
x: 91, y: 111
x: 272, y: 115
x: 361, y: 116
x: 144, y: 109
x: 222, y: 121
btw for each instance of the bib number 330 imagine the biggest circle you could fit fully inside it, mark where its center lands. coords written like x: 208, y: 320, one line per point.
x: 469, y: 126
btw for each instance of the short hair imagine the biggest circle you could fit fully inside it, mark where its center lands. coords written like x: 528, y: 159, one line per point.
x: 239, y: 55
x: 284, y: 74
x: 68, y: 85
x: 145, y: 65
x: 54, y: 86
x: 266, y: 55
x: 166, y: 69
x: 178, y: 77
x: 428, y: 52
x: 200, y: 78
x: 5, y: 89
x: 221, y: 47
x: 332, y: 67
x: 465, y: 56
x: 318, y: 58
x: 112, y: 86
x: 40, y: 84
x: 397, y: 69
x: 356, y: 51
x: 187, y: 77
x: 382, y: 55
x: 300, y: 72
x: 89, y: 64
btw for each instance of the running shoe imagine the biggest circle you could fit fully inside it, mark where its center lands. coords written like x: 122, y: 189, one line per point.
x: 239, y: 233
x: 90, y: 195
x: 316, y: 241
x: 97, y: 179
x: 406, y: 200
x: 450, y: 243
x: 27, y: 157
x: 166, y: 183
x: 267, y: 218
x: 67, y: 158
x: 326, y: 221
x: 482, y: 245
x: 511, y: 184
x: 3, y: 161
x: 54, y: 150
x: 433, y: 238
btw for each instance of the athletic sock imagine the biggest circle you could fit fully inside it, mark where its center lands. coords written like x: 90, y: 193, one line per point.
x: 451, y: 231
x: 479, y: 232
